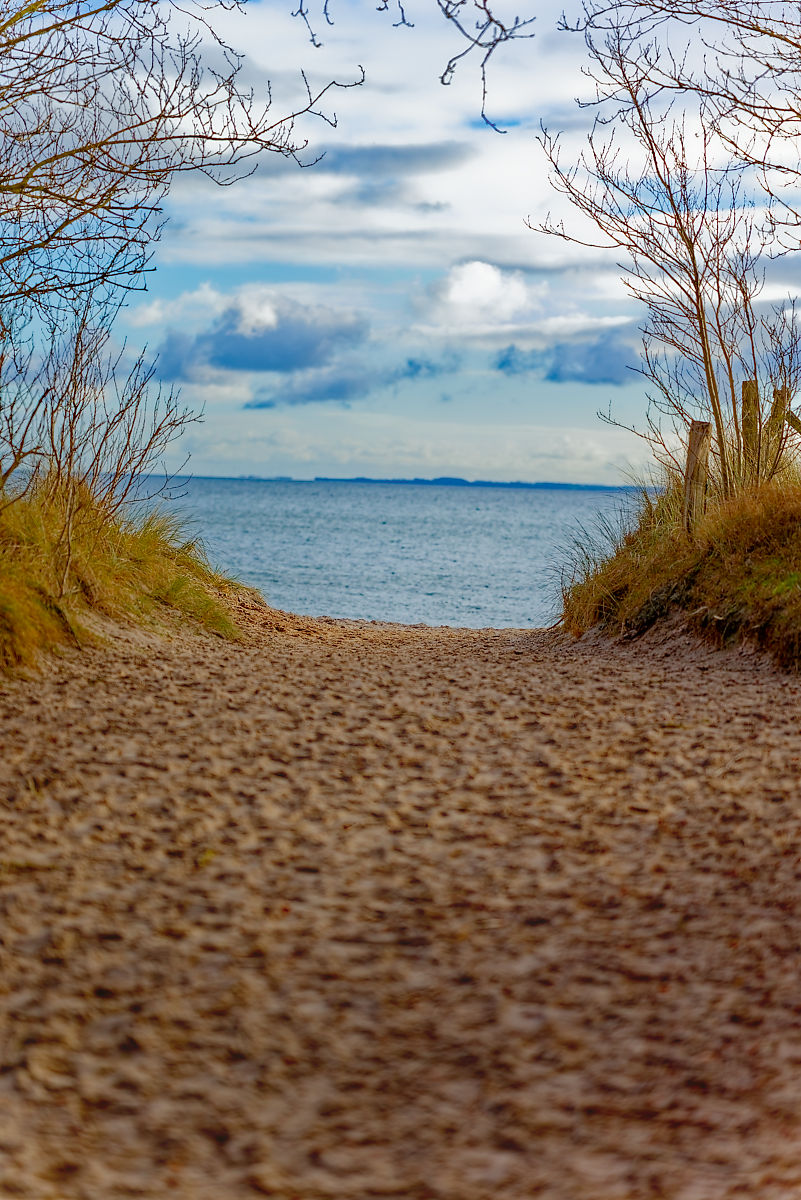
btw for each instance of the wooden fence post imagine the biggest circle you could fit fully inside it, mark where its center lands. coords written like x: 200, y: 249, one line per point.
x: 749, y: 421
x: 696, y: 472
x: 774, y: 429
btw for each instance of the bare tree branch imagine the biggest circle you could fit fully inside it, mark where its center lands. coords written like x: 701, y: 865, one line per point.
x: 658, y: 181
x: 477, y: 22
x: 101, y: 107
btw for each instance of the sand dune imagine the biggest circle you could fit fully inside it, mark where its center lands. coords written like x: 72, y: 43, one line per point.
x: 361, y: 911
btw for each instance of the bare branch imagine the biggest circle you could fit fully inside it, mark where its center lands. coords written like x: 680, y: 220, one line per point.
x: 692, y: 226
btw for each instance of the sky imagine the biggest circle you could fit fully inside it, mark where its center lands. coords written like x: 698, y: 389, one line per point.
x: 387, y: 311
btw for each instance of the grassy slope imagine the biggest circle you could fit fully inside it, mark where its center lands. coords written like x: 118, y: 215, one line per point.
x: 738, y: 577
x: 122, y: 567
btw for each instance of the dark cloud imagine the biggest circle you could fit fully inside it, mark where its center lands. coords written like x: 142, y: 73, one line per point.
x: 603, y: 360
x: 299, y: 338
x: 375, y: 192
x: 513, y: 361
x: 304, y: 353
x: 382, y: 173
x: 423, y: 368
x: 429, y: 206
x: 783, y: 272
x: 371, y: 162
x: 174, y: 354
x: 345, y: 382
x: 334, y: 384
x: 567, y: 119
x: 376, y: 161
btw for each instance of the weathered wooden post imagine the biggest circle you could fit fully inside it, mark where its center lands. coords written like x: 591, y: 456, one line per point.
x: 793, y: 421
x: 749, y: 422
x: 778, y: 411
x: 696, y: 472
x: 774, y: 432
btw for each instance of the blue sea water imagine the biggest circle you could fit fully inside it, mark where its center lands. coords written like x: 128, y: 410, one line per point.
x: 413, y: 553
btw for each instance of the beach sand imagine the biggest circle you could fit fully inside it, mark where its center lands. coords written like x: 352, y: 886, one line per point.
x: 355, y: 910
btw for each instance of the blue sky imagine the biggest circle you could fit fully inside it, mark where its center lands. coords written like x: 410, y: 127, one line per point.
x: 387, y: 311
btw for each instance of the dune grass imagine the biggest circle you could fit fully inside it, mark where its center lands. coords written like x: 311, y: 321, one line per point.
x: 738, y: 576
x: 64, y: 557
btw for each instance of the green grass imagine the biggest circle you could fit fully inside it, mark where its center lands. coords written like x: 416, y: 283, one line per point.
x: 63, y: 558
x: 738, y: 577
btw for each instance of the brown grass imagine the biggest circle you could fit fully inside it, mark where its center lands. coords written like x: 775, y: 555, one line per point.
x: 738, y: 577
x: 61, y: 561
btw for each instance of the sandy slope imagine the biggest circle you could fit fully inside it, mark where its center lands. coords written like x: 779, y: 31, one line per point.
x: 372, y: 911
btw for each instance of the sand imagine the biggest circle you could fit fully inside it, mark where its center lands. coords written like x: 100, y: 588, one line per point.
x: 356, y: 911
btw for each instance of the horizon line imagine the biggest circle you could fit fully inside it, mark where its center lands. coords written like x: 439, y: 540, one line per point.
x: 435, y: 481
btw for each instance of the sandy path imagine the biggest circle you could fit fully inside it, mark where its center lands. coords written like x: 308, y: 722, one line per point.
x: 360, y: 911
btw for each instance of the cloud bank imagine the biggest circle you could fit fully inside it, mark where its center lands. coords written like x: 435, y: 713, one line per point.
x: 346, y: 382
x: 600, y: 360
x: 262, y: 333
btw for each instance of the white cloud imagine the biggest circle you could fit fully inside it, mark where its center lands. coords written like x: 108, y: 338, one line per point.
x: 471, y: 207
x: 256, y: 310
x: 416, y: 224
x: 578, y: 324
x: 479, y: 299
x: 189, y: 307
x: 255, y: 305
x: 429, y: 439
x: 479, y: 289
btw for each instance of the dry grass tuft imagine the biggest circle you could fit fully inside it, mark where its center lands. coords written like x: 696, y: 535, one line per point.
x: 61, y: 560
x: 738, y: 577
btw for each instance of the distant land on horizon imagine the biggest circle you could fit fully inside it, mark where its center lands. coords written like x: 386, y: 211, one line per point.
x: 443, y: 481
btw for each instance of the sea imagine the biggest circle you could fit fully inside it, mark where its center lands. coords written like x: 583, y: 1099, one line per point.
x: 417, y: 553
